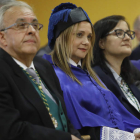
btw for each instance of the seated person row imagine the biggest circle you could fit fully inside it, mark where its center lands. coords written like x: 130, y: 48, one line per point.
x: 29, y: 110
x: 90, y: 105
x: 111, y: 52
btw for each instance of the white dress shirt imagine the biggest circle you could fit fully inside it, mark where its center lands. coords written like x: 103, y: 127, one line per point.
x: 24, y: 66
x: 73, y: 63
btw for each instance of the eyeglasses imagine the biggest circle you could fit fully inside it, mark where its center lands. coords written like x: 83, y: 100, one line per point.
x: 24, y: 25
x: 121, y: 33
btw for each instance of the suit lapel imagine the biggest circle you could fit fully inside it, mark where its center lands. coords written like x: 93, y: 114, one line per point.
x: 27, y: 89
x: 115, y: 85
x: 48, y: 78
x: 45, y: 76
x: 111, y: 83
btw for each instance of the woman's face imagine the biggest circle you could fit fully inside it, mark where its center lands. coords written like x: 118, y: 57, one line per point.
x: 114, y: 46
x: 81, y: 41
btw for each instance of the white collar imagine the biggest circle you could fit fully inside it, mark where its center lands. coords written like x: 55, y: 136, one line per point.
x: 73, y: 63
x: 22, y: 65
x: 116, y: 76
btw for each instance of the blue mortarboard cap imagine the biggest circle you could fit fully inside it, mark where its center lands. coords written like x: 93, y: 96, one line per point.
x: 62, y: 17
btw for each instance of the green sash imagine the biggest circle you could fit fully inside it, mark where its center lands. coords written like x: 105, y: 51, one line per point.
x: 55, y: 110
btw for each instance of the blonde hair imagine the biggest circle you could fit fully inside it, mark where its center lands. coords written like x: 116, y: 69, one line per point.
x: 62, y: 52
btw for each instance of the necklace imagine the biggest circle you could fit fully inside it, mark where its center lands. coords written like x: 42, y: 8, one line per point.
x: 55, y: 123
x: 132, y: 98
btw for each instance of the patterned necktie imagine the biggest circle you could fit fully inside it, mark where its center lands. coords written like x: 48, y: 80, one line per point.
x: 32, y: 72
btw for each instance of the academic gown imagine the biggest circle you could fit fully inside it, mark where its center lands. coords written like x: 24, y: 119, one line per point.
x: 90, y: 105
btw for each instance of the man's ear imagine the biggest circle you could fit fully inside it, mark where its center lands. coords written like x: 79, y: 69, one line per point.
x: 3, y: 41
x: 102, y: 43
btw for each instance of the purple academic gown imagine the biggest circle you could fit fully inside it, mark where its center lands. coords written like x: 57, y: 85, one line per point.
x: 91, y: 105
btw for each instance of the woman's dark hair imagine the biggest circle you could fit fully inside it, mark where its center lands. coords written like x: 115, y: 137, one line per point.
x: 102, y: 27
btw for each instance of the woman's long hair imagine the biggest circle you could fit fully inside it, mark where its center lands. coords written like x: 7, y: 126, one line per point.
x: 101, y: 28
x: 62, y: 52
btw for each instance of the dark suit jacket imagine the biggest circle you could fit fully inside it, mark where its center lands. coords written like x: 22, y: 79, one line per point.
x: 23, y: 115
x: 135, y: 55
x: 109, y: 80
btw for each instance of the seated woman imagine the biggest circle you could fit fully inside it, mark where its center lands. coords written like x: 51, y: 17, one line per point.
x: 111, y: 62
x: 90, y: 105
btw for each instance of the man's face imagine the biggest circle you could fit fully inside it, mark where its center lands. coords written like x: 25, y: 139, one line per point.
x: 20, y: 43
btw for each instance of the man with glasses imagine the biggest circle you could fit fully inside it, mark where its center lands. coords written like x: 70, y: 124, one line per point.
x: 31, y: 107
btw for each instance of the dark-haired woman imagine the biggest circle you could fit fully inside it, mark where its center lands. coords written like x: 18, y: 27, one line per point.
x: 111, y: 51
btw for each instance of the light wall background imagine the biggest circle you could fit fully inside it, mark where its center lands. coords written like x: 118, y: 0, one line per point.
x: 96, y: 10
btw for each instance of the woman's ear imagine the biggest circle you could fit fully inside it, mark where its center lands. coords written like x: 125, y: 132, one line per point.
x: 102, y: 43
x: 3, y: 42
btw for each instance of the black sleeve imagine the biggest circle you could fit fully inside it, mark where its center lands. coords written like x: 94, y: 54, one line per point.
x: 94, y: 132
x: 74, y: 132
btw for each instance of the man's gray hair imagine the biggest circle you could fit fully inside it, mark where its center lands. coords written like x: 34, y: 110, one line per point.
x: 9, y: 5
x: 137, y: 23
x: 3, y: 2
